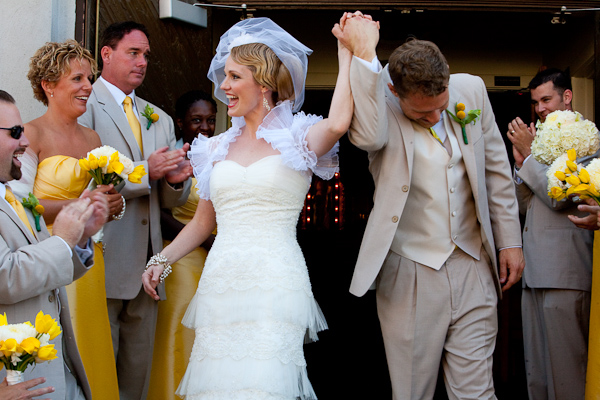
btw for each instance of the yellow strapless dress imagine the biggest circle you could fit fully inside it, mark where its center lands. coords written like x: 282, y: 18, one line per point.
x: 592, y: 386
x: 60, y: 178
x: 173, y: 342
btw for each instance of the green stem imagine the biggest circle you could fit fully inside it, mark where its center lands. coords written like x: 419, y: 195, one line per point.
x: 464, y: 132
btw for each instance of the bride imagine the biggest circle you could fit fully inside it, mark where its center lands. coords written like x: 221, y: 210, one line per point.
x: 254, y: 305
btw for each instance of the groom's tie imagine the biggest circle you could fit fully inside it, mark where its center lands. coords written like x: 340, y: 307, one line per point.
x: 445, y: 143
x: 18, y: 207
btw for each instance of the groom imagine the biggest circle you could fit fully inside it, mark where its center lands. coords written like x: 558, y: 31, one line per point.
x: 444, y: 205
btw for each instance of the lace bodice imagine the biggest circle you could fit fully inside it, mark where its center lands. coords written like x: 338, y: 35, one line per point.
x: 257, y: 211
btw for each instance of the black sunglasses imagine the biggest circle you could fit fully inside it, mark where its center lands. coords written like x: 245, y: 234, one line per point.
x: 15, y: 131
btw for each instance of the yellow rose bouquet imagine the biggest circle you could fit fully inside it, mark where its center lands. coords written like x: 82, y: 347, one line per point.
x: 561, y: 131
x: 23, y: 344
x: 566, y: 178
x: 107, y: 165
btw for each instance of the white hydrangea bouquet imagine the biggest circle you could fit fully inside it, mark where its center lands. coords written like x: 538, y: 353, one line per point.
x: 566, y: 178
x: 107, y: 165
x: 561, y: 131
x: 23, y: 344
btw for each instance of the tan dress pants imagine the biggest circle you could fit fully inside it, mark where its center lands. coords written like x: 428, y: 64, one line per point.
x: 446, y: 316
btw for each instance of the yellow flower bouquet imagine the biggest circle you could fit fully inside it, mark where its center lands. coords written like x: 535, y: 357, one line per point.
x: 23, y: 344
x: 566, y: 178
x: 107, y: 165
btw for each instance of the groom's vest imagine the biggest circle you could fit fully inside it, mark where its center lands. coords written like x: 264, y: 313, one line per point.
x: 440, y: 211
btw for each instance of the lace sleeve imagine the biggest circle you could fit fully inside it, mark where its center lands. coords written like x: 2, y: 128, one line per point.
x: 325, y: 166
x: 203, y: 154
x: 24, y: 186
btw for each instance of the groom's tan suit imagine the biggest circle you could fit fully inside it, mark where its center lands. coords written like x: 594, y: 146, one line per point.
x: 417, y: 233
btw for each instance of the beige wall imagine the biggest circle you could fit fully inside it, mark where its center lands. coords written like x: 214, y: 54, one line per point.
x: 25, y: 25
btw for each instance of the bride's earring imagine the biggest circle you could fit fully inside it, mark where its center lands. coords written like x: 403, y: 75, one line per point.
x: 266, y: 103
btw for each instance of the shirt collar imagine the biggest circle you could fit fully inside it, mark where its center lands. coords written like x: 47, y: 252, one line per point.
x: 117, y: 93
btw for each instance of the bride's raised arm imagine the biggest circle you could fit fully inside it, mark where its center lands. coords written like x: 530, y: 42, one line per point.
x: 323, y: 135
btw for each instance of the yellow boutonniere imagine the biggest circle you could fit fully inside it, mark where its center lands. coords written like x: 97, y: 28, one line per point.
x: 464, y: 118
x: 150, y: 115
x: 36, y: 209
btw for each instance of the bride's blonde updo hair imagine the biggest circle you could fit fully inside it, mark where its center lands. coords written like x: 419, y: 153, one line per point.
x: 267, y: 69
x: 52, y: 61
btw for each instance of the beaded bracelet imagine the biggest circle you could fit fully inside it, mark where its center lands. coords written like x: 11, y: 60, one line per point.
x: 159, y: 259
x: 118, y: 217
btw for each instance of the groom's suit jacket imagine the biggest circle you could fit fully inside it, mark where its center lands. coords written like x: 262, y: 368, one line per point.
x: 127, y: 240
x: 380, y: 127
x: 33, y: 271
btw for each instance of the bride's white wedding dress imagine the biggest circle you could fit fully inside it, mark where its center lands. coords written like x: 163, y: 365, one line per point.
x: 254, y: 306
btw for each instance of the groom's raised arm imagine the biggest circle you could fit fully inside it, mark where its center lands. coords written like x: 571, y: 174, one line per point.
x: 360, y: 34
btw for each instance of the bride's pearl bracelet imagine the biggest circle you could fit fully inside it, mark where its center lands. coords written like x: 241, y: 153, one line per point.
x: 159, y: 259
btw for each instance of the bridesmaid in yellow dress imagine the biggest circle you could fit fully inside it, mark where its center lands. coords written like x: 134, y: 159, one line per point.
x: 592, y: 222
x: 60, y: 74
x: 195, y: 114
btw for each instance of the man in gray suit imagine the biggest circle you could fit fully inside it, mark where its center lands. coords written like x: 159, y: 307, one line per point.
x: 115, y: 112
x: 35, y: 266
x: 557, y: 281
x: 444, y: 205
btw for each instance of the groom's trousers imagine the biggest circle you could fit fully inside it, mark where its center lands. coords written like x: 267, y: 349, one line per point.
x: 446, y: 316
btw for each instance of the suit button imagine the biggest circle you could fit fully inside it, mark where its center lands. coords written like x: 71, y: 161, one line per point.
x: 405, y: 188
x: 51, y: 298
x: 144, y: 221
x: 454, y: 213
x: 525, y: 229
x: 394, y: 219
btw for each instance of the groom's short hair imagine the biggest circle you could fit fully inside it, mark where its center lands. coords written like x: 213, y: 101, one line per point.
x: 418, y: 66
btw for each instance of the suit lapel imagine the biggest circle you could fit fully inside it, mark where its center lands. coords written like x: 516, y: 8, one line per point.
x: 466, y: 149
x: 406, y: 127
x: 116, y: 114
x: 8, y: 210
x: 149, y: 134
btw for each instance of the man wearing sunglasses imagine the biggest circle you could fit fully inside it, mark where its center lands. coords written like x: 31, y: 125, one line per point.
x: 35, y: 266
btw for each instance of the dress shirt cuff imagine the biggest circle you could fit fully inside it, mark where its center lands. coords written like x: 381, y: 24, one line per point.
x: 517, y: 179
x: 86, y: 252
x: 510, y: 247
x: 374, y: 65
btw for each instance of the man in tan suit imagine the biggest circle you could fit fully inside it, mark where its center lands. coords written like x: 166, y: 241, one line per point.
x: 35, y: 266
x: 444, y: 204
x: 131, y: 241
x: 558, y: 280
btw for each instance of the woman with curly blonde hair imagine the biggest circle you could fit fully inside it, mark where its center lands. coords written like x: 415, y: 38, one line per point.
x: 60, y: 75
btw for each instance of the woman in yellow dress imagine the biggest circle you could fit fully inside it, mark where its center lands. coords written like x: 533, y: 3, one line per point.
x: 195, y: 115
x: 60, y: 74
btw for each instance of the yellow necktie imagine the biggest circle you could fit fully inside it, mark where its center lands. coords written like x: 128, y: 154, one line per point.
x: 18, y: 207
x: 435, y: 135
x: 133, y: 122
